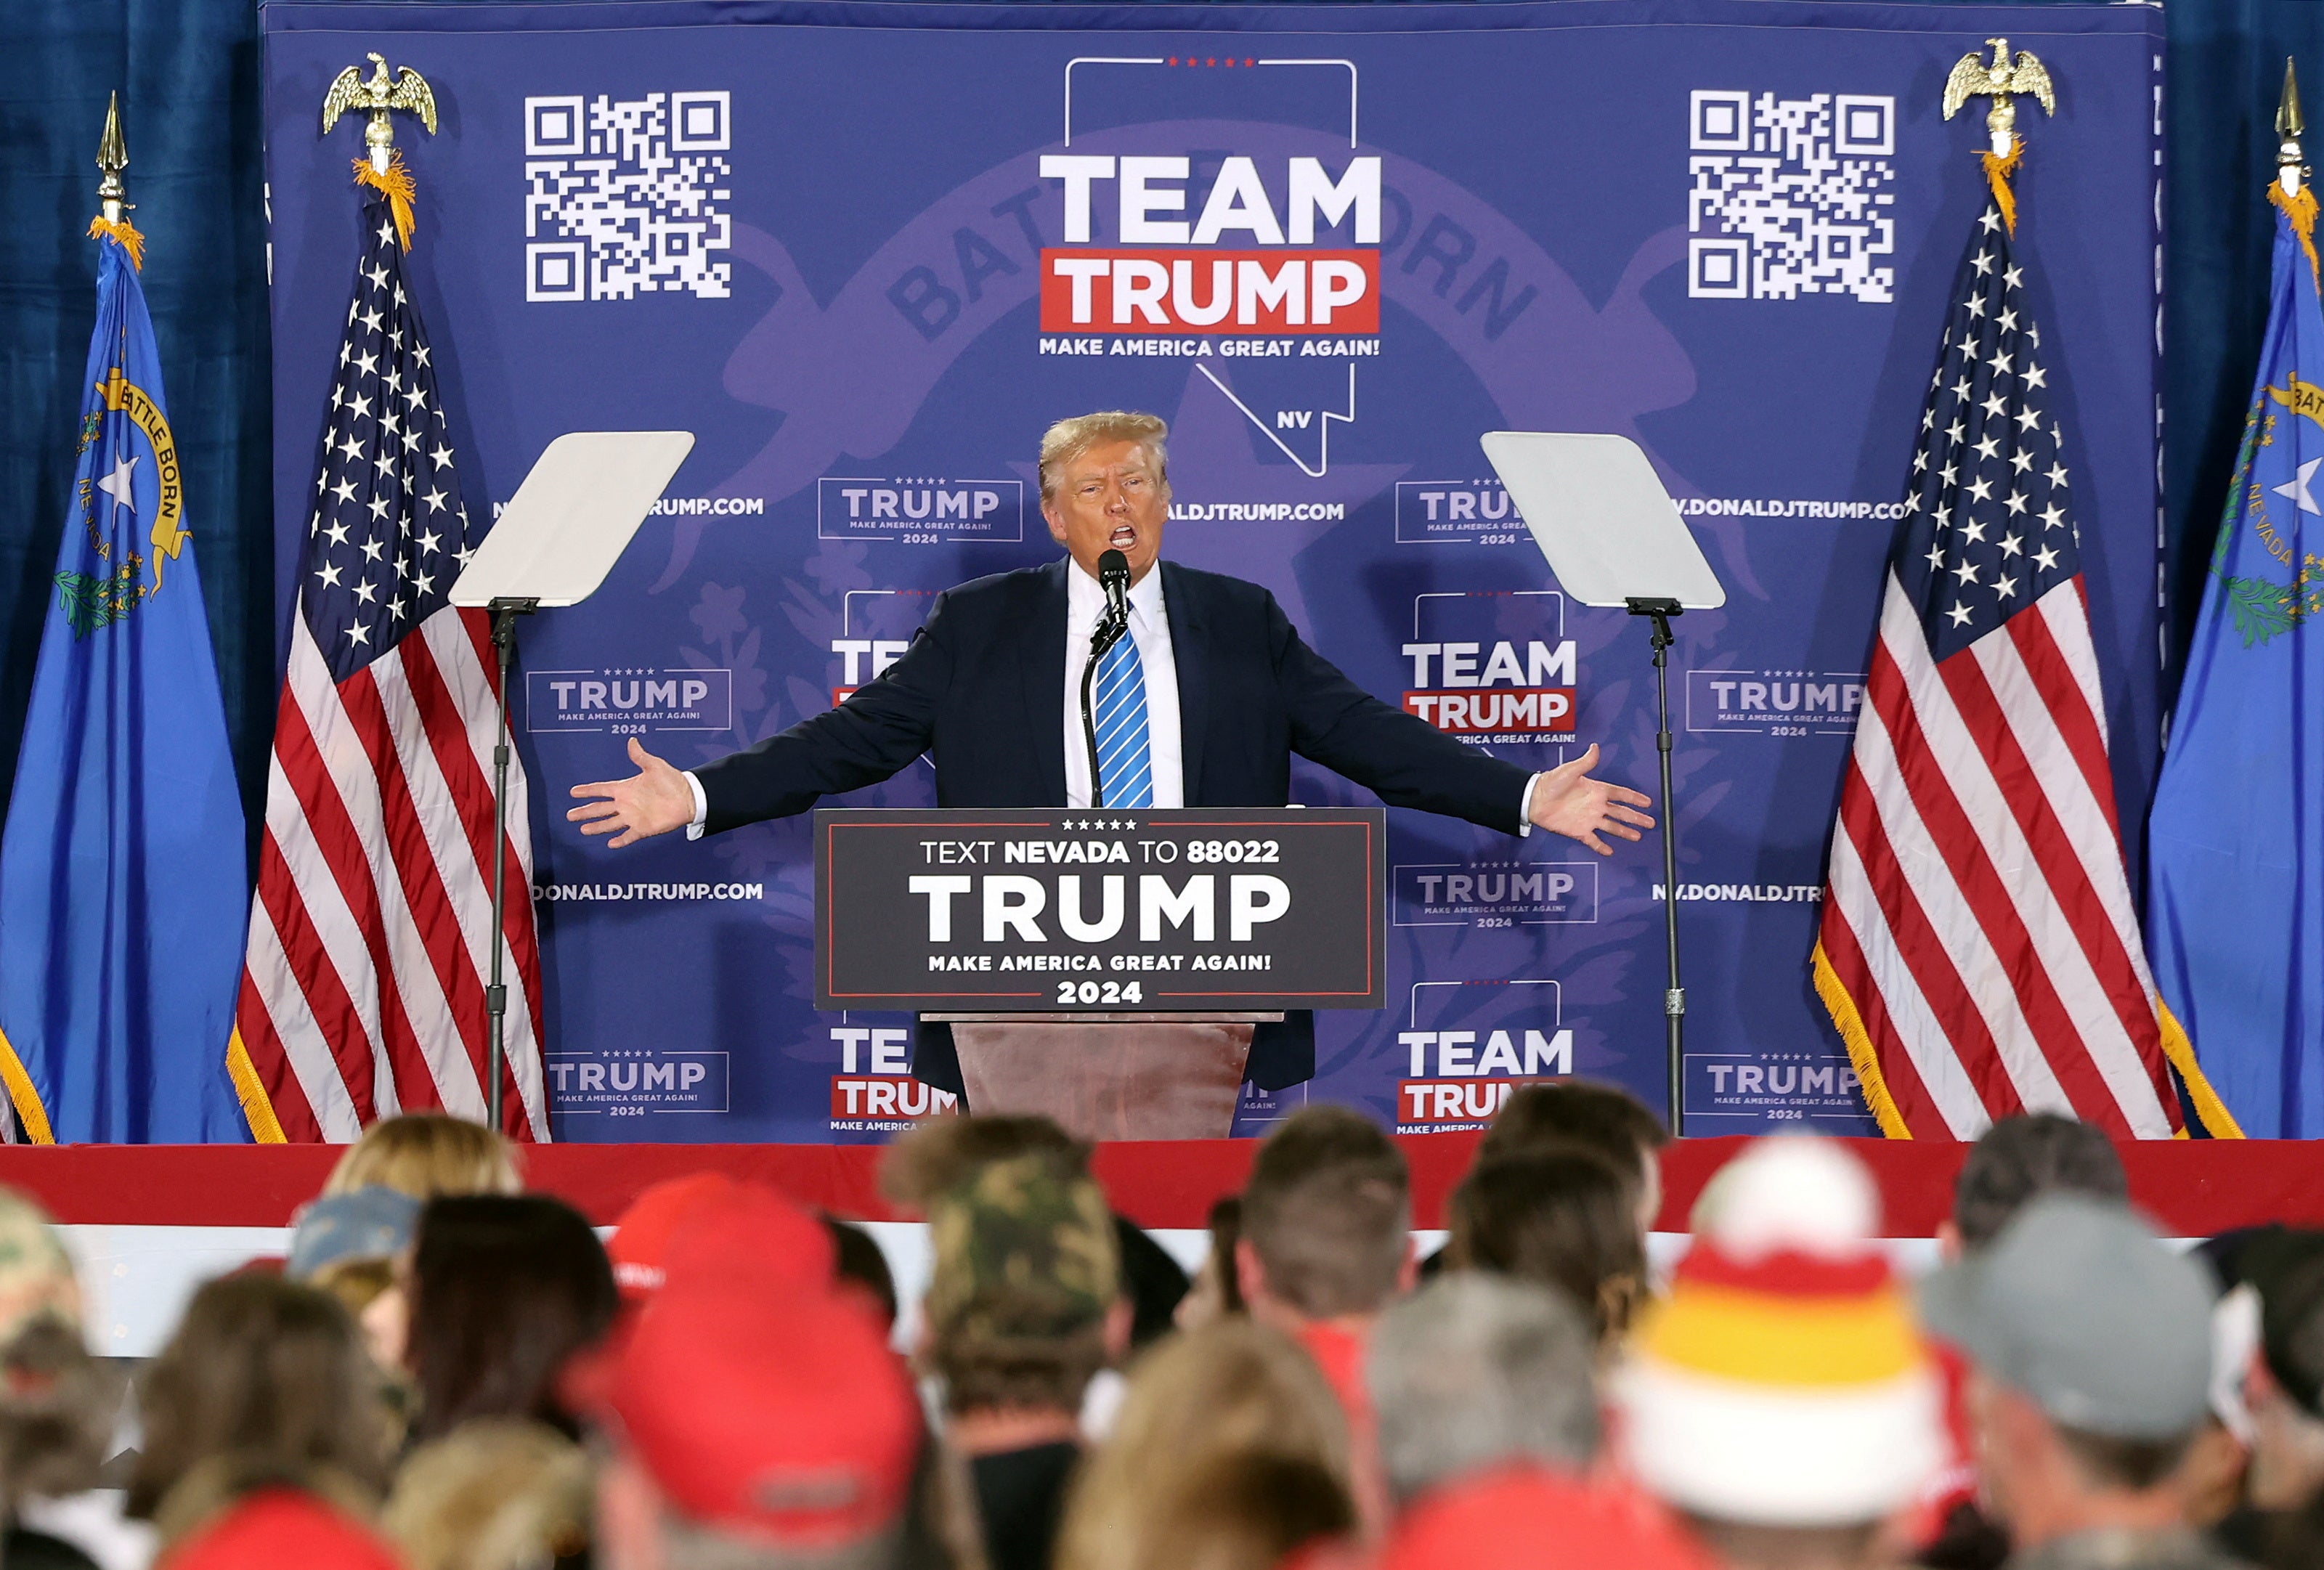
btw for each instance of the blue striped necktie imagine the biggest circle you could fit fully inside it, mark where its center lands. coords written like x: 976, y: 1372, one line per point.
x: 1124, y: 772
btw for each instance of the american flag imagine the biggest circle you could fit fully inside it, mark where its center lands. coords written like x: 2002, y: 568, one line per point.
x: 1980, y: 950
x: 363, y: 992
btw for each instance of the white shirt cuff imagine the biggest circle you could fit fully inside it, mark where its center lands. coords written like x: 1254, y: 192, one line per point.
x: 1524, y: 807
x: 702, y: 804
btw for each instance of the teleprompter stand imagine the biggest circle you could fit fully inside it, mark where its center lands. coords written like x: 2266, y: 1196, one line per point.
x: 553, y: 545
x: 1659, y: 610
x: 1601, y: 517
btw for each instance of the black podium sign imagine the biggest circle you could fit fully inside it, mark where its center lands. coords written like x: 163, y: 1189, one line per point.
x: 1202, y: 910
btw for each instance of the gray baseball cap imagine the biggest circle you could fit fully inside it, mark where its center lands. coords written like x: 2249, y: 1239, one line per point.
x: 2078, y: 1304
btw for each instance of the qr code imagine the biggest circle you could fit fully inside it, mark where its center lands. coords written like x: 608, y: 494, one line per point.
x: 625, y: 196
x: 1790, y: 196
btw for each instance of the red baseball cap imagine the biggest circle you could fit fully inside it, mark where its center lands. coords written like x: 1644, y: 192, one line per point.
x: 777, y: 1415
x: 1526, y: 1517
x: 709, y: 1220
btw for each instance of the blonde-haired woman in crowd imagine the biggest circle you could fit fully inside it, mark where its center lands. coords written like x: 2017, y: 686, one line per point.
x: 425, y: 1154
x: 1233, y: 1399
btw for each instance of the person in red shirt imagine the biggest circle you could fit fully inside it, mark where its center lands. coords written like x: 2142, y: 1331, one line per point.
x: 1490, y: 1431
x: 1326, y: 1243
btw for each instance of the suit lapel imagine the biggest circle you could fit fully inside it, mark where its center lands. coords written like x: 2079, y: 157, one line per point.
x: 1041, y: 657
x: 1190, y: 652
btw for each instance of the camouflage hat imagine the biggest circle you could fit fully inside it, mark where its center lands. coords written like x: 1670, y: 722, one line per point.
x: 36, y: 1274
x: 1023, y: 1247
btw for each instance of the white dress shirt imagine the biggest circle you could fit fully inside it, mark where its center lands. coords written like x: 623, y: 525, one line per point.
x: 1149, y: 629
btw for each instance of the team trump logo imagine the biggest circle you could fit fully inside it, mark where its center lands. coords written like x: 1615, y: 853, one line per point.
x: 1227, y: 258
x: 1471, y: 1044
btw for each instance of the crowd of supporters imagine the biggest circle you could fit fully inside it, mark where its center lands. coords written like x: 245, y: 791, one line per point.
x: 449, y: 1372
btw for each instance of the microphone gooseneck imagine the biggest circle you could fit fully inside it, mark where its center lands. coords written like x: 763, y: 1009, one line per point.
x: 1113, y: 576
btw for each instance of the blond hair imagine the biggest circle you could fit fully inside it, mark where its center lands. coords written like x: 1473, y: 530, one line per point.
x: 494, y: 1494
x: 425, y: 1154
x: 1235, y: 1386
x: 1069, y: 438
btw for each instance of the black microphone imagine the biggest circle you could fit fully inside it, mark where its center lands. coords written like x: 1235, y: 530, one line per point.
x: 1113, y: 576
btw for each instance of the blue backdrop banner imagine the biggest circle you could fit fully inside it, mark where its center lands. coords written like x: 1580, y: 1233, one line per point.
x: 869, y: 251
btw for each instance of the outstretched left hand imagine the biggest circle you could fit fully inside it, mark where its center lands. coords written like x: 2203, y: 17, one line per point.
x: 1567, y: 802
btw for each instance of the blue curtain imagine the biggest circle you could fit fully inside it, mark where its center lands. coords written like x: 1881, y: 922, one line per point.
x: 188, y: 73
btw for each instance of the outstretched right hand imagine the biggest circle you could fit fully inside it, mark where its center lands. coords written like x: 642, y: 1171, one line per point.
x: 654, y: 800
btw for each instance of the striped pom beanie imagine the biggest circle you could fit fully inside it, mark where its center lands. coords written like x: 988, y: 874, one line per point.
x: 1782, y: 1382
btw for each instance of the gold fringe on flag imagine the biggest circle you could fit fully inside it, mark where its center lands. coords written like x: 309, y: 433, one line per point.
x: 30, y: 1112
x: 2302, y: 210
x: 396, y: 186
x: 1997, y: 171
x: 125, y: 235
x: 2217, y: 1120
x: 1860, y: 1054
x: 257, y: 1108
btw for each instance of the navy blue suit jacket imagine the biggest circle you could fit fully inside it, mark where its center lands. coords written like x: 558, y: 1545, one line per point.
x: 981, y: 691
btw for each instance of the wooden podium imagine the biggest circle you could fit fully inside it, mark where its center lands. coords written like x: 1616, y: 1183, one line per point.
x: 1108, y: 1077
x: 1104, y: 969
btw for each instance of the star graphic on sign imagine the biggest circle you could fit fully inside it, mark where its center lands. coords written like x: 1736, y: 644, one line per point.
x: 116, y: 484
x: 2296, y: 488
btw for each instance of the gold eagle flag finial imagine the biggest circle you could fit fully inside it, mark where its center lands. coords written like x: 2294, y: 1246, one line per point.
x: 379, y: 95
x: 2004, y: 81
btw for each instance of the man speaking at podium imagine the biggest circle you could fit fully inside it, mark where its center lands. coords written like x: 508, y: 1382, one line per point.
x: 1202, y: 705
